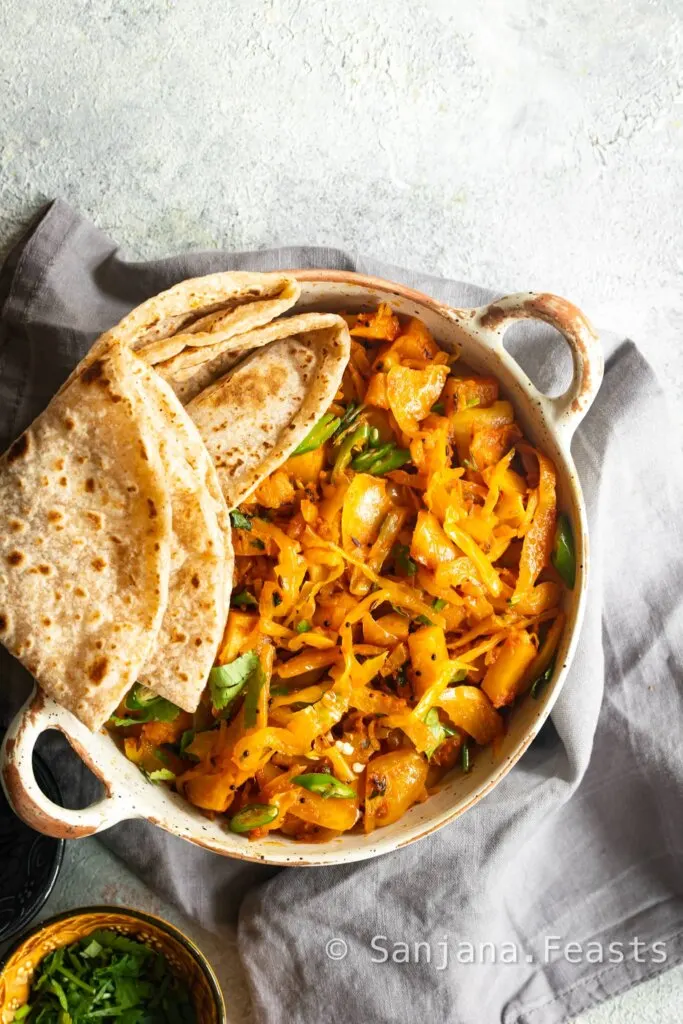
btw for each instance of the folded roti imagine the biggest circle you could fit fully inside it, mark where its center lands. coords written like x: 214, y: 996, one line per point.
x: 85, y: 540
x: 253, y: 417
x: 201, y: 555
x: 192, y: 370
x: 202, y: 311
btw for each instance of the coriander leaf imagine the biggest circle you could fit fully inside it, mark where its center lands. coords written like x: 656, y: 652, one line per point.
x: 438, y: 604
x: 240, y: 521
x: 458, y: 676
x: 401, y: 553
x: 243, y: 600
x: 423, y: 620
x: 161, y: 775
x: 112, y: 940
x: 539, y: 684
x: 227, y: 681
x: 257, y: 681
x: 185, y: 741
x: 439, y: 730
x: 159, y: 710
x: 303, y: 627
x: 140, y: 696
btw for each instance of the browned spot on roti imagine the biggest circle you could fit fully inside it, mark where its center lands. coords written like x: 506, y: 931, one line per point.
x: 177, y: 637
x: 16, y: 557
x: 59, y: 464
x: 44, y: 569
x: 152, y: 509
x: 95, y: 518
x: 47, y: 621
x: 54, y: 516
x: 19, y: 449
x: 198, y: 642
x: 257, y: 387
x: 195, y: 580
x: 4, y: 623
x: 79, y: 592
x: 98, y: 564
x: 69, y: 423
x: 15, y: 525
x: 90, y: 485
x: 63, y: 481
x: 98, y: 670
x: 94, y: 372
x: 184, y: 677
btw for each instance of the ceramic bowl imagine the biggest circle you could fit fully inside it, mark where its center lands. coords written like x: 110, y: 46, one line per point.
x: 186, y: 960
x: 549, y: 422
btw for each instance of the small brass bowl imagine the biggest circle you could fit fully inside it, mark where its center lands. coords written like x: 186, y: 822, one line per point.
x: 185, y: 959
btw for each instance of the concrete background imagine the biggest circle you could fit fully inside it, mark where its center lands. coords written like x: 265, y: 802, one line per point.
x: 521, y: 144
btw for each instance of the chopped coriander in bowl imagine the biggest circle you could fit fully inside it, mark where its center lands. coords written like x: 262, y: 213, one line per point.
x: 108, y: 964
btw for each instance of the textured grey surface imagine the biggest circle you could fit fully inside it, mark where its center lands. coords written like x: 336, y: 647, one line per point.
x: 519, y: 144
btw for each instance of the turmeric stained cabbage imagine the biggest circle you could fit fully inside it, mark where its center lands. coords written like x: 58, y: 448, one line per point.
x: 401, y: 591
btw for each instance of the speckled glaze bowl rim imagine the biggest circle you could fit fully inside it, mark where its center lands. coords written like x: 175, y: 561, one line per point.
x: 139, y: 915
x: 46, y: 892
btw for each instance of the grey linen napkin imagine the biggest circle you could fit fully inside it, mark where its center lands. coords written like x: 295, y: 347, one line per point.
x: 582, y: 842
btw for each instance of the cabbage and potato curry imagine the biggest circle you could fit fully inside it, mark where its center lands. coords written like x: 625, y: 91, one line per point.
x: 399, y: 584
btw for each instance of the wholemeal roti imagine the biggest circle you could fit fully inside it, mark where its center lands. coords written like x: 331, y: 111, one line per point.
x: 253, y: 417
x: 85, y: 540
x: 200, y: 312
x: 194, y: 369
x: 201, y: 555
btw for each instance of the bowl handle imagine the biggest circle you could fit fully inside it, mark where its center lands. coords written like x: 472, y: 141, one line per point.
x: 566, y: 411
x: 21, y: 786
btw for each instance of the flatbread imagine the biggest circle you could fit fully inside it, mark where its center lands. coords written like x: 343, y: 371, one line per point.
x: 253, y: 418
x: 194, y: 369
x: 222, y: 305
x: 201, y: 555
x: 85, y: 540
x: 192, y: 311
